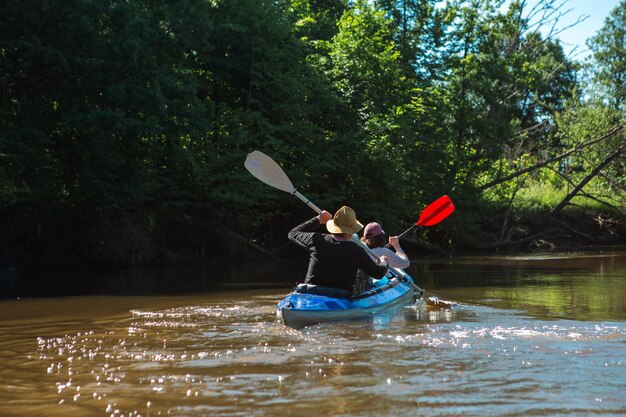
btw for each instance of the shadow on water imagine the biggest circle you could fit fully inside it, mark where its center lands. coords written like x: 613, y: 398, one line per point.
x: 170, y: 280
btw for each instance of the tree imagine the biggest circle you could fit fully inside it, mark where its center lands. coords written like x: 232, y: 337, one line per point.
x: 380, y: 109
x: 134, y: 120
x: 608, y: 48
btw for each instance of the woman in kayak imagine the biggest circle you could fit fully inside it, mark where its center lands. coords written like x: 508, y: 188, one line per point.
x: 334, y: 259
x: 374, y: 238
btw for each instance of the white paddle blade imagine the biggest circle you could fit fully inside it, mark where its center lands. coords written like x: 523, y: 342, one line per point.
x: 265, y: 169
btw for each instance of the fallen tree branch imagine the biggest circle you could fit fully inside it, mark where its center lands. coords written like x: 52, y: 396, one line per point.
x: 609, y: 205
x: 584, y: 194
x: 588, y: 178
x: 542, y: 164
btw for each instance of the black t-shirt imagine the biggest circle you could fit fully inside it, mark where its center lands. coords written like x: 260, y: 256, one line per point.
x: 333, y: 263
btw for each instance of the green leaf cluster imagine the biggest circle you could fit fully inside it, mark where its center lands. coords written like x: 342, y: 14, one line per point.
x: 124, y: 125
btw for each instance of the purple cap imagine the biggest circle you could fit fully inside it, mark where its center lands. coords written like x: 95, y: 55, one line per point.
x: 373, y: 229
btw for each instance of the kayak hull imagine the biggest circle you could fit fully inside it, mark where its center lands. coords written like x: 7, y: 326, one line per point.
x: 300, y: 310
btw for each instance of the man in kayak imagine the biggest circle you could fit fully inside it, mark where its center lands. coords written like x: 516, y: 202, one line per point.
x: 335, y: 259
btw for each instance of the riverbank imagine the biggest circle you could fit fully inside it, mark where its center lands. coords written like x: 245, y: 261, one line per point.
x: 45, y: 247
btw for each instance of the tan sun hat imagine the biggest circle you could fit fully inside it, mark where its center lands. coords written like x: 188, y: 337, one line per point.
x: 344, y: 221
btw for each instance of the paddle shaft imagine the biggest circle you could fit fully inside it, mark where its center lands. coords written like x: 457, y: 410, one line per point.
x: 405, y: 232
x: 307, y: 201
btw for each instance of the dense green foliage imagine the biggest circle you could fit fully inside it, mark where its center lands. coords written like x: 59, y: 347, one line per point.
x: 124, y: 125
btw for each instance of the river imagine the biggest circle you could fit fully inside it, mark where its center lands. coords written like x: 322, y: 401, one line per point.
x: 523, y: 335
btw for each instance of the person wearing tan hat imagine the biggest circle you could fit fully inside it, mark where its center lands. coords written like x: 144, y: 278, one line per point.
x: 374, y: 238
x: 335, y: 258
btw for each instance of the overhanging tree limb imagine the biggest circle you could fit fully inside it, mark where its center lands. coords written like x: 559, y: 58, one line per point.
x: 589, y: 177
x: 584, y: 194
x: 541, y: 164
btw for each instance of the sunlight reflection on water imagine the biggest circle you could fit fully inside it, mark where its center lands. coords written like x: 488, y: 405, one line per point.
x: 225, y: 354
x: 229, y: 359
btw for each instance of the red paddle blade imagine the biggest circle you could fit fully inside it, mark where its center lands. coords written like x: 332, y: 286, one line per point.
x: 436, y: 212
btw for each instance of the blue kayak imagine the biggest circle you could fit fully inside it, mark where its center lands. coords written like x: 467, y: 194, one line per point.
x: 298, y: 310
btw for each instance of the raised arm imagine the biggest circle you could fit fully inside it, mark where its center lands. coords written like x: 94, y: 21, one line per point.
x: 302, y: 234
x: 399, y: 258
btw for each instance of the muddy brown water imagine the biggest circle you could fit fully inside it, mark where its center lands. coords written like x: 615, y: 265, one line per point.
x: 494, y: 336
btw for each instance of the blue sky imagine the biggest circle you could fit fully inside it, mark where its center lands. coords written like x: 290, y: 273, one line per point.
x: 595, y: 10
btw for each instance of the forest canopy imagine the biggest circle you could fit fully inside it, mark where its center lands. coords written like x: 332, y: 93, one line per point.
x: 124, y: 125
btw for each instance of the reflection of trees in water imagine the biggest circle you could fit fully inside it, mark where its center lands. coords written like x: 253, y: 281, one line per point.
x: 579, y: 286
x: 173, y: 279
